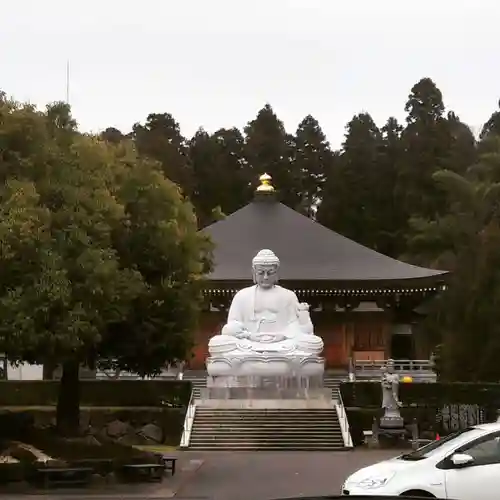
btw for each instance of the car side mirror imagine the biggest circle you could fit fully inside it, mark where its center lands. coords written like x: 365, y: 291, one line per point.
x: 461, y: 459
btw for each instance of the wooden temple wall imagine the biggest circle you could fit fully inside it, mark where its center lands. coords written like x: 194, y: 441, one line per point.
x: 363, y: 336
x: 210, y: 324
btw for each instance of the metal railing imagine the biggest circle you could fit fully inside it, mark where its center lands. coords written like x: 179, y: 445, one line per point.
x: 123, y: 375
x: 188, y: 422
x: 343, y: 422
x: 399, y: 365
x: 419, y: 369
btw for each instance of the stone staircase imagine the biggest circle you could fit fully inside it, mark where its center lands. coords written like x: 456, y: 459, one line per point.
x: 198, y: 379
x: 266, y: 429
x: 332, y: 381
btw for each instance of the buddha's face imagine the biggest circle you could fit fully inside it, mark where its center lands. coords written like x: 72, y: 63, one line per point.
x: 265, y: 275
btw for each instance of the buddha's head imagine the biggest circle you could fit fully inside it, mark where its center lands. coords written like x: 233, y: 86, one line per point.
x: 265, y: 266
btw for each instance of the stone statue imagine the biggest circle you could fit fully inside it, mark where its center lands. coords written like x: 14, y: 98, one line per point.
x: 267, y: 331
x: 390, y: 397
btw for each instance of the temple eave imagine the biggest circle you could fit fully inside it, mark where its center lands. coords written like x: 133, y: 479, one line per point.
x: 409, y: 286
x: 328, y: 292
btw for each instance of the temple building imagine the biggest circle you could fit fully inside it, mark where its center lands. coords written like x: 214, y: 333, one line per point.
x: 363, y: 303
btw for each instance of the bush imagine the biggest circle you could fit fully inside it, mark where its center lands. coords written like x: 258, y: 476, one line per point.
x: 110, y: 393
x: 369, y: 394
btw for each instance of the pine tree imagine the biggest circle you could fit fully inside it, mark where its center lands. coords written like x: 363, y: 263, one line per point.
x: 466, y: 240
x: 426, y: 143
x: 222, y: 177
x: 492, y: 125
x: 269, y: 149
x: 160, y: 139
x: 313, y: 159
x: 349, y: 201
x: 391, y: 217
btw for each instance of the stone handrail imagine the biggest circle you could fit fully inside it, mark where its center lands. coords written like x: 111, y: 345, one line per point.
x: 344, y: 423
x: 420, y: 370
x: 188, y: 422
x: 410, y: 365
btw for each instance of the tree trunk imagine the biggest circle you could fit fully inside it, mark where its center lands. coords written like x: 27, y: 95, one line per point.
x: 68, y: 402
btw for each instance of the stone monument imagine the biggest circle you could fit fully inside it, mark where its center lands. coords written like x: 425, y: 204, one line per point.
x: 392, y: 418
x: 268, y: 333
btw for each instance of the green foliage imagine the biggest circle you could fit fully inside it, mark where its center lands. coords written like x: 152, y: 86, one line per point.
x: 492, y: 126
x: 99, y: 251
x: 98, y: 244
x: 368, y: 395
x: 92, y: 239
x: 223, y: 178
x: 160, y: 139
x: 269, y: 149
x: 426, y: 149
x: 467, y: 240
x: 99, y: 393
x: 351, y: 205
x: 313, y: 159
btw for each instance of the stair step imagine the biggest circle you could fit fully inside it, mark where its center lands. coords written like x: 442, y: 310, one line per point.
x: 247, y: 425
x: 272, y: 448
x: 269, y: 444
x: 195, y: 439
x: 270, y: 417
x: 249, y: 432
x: 266, y: 429
x: 284, y: 412
x: 272, y: 427
x: 265, y: 440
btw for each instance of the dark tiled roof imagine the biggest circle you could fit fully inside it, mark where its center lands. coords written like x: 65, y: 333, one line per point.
x: 307, y: 250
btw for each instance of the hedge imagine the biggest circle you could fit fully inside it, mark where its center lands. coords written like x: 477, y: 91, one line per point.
x: 110, y: 393
x: 369, y: 394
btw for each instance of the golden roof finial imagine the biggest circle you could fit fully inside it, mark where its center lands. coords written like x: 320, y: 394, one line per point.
x: 265, y: 184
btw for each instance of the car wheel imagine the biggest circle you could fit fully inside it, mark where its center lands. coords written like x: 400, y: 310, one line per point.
x: 417, y: 494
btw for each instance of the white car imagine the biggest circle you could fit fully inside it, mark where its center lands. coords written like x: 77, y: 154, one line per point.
x: 458, y: 467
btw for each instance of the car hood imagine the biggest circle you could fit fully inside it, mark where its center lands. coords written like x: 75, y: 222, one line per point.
x: 380, y: 469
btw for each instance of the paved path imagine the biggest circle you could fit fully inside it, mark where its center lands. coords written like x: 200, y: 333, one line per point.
x: 269, y: 475
x: 240, y: 476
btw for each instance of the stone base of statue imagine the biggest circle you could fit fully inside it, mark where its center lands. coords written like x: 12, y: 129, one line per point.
x: 390, y: 432
x: 266, y: 365
x: 392, y: 419
x: 265, y: 391
x: 392, y: 423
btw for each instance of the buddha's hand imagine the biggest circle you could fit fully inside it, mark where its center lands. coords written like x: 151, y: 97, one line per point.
x: 235, y: 329
x: 303, y: 306
x: 243, y: 334
x: 267, y: 338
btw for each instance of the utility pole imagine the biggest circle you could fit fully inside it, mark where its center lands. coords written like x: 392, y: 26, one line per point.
x: 67, y: 81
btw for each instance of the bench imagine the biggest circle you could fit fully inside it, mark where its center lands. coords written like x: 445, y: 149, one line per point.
x: 101, y: 466
x: 142, y: 472
x: 63, y: 476
x: 168, y: 463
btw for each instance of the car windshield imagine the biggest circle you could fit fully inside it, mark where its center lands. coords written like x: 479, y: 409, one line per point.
x: 448, y: 441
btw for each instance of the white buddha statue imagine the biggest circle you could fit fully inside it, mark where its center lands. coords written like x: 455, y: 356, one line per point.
x: 266, y: 323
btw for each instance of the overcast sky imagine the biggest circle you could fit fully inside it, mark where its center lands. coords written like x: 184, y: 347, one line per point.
x: 215, y: 63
